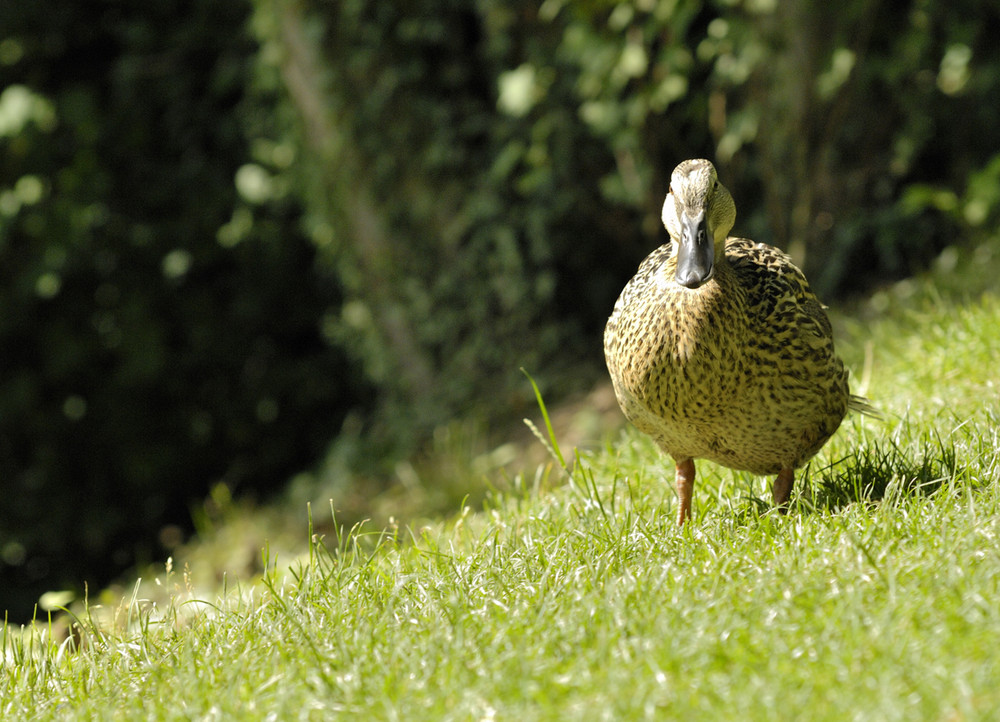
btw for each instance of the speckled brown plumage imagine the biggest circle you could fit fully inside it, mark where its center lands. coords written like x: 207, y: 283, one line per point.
x: 731, y: 357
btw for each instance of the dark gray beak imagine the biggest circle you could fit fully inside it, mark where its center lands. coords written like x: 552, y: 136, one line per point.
x: 695, y: 252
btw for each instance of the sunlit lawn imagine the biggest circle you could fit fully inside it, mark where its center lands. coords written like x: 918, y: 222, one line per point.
x: 876, y: 598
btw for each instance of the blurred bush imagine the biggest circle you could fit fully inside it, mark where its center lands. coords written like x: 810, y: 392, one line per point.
x: 159, y: 305
x: 485, y: 177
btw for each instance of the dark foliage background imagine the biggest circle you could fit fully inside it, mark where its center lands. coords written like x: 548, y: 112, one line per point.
x: 236, y: 235
x: 158, y: 332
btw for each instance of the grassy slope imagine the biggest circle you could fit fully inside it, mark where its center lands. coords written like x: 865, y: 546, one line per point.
x: 582, y: 600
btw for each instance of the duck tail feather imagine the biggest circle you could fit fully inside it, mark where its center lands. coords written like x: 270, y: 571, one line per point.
x: 861, y: 405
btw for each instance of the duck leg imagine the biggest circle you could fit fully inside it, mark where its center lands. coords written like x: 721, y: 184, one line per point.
x: 782, y: 489
x: 685, y: 489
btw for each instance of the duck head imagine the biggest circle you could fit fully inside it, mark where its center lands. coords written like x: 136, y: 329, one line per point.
x: 698, y: 213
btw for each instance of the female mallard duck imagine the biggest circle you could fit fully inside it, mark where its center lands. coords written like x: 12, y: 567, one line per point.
x: 718, y: 349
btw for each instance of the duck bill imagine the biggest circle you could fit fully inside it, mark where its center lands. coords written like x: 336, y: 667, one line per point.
x: 695, y: 252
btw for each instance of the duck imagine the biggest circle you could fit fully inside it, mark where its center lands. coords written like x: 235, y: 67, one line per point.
x: 718, y: 349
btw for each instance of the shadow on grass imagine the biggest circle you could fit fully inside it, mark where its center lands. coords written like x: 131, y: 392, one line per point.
x: 888, y: 467
x: 919, y: 468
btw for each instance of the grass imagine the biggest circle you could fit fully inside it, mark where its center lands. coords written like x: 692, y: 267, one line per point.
x: 578, y: 598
